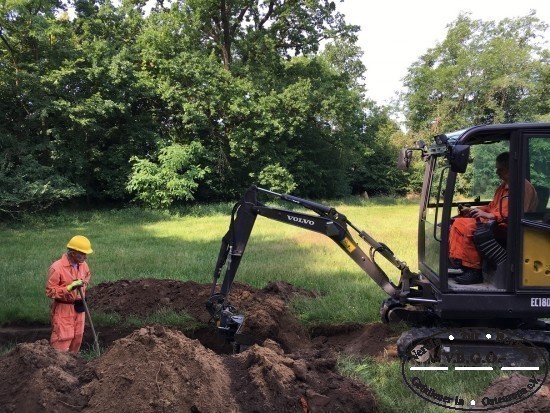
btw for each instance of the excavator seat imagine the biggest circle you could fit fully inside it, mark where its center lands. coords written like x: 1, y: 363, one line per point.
x: 543, y: 194
x: 492, y: 248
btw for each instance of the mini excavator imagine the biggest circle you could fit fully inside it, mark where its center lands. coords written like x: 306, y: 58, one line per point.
x: 459, y: 170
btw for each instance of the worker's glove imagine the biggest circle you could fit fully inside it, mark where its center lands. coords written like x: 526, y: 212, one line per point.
x: 75, y: 284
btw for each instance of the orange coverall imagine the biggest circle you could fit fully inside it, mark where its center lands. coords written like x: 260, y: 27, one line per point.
x: 67, y: 324
x: 461, y: 237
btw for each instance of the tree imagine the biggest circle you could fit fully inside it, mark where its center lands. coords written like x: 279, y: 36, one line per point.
x: 111, y: 100
x: 374, y: 162
x: 272, y: 103
x: 230, y: 28
x: 482, y: 73
x: 33, y: 41
x: 100, y: 114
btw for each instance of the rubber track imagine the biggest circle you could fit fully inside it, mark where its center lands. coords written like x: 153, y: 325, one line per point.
x: 540, y: 338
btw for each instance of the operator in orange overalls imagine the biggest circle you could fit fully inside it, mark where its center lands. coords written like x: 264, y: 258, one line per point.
x: 66, y: 277
x: 461, y: 237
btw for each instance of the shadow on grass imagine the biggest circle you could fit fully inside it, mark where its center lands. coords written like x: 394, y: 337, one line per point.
x: 70, y: 217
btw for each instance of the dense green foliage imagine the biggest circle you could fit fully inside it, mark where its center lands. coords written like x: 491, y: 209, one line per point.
x: 482, y: 73
x: 117, y: 100
x: 198, y: 99
x: 174, y: 177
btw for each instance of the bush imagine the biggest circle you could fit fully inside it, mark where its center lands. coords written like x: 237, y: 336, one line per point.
x: 175, y: 175
x: 277, y: 178
x: 27, y: 187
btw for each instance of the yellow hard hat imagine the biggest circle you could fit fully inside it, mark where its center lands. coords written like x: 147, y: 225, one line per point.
x: 80, y: 243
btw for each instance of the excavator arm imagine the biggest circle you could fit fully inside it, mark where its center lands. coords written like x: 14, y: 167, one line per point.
x: 327, y: 221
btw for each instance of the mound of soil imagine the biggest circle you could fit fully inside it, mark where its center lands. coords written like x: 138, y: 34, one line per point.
x: 160, y: 369
x: 36, y: 378
x: 266, y: 309
x: 537, y: 403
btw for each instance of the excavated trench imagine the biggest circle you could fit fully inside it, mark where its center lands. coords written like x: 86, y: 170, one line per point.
x: 161, y: 369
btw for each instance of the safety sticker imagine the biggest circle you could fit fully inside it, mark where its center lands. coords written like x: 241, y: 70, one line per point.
x: 348, y: 245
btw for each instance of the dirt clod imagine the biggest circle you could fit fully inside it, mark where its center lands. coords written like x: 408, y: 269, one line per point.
x: 36, y: 378
x: 537, y: 403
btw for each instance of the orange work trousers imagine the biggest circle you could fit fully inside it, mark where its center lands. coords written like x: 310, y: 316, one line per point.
x: 67, y: 327
x: 461, y: 242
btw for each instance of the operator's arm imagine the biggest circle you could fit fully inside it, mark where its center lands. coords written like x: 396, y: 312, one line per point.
x: 497, y: 209
x: 484, y: 211
x: 481, y: 213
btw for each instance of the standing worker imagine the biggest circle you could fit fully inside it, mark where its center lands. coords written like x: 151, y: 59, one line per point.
x: 65, y: 277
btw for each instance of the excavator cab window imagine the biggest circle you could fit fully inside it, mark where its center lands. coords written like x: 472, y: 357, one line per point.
x: 535, y: 222
x: 477, y: 186
x: 433, y: 214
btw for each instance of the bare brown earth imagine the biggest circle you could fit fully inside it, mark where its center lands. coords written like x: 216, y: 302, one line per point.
x: 160, y: 369
x: 538, y: 403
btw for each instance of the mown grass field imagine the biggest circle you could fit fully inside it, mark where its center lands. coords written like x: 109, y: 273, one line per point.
x: 134, y: 243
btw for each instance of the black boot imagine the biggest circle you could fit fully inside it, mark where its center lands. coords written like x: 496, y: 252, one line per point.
x: 470, y: 276
x: 455, y: 268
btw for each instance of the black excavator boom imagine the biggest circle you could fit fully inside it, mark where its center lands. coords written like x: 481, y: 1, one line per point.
x: 327, y: 221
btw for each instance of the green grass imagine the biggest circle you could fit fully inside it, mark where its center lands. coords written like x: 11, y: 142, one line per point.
x: 184, y: 245
x: 394, y: 396
x: 106, y: 319
x: 134, y: 243
x: 89, y: 353
x: 7, y: 348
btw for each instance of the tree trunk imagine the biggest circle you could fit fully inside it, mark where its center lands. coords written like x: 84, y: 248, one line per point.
x: 226, y: 33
